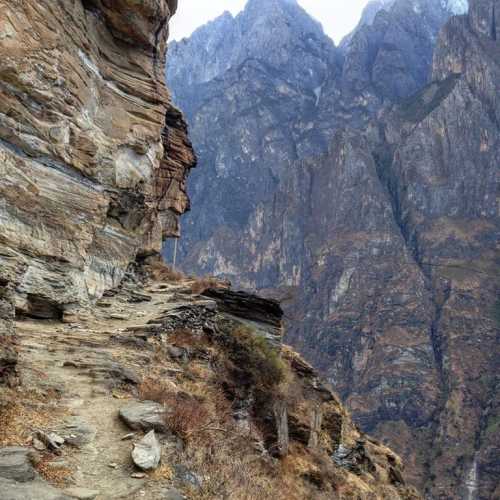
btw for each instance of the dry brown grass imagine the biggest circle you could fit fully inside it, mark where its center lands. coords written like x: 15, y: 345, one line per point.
x: 202, y: 284
x: 20, y: 417
x: 183, y: 337
x: 159, y: 271
x: 162, y: 473
x: 231, y: 468
x: 59, y: 476
x: 153, y: 389
x: 187, y: 416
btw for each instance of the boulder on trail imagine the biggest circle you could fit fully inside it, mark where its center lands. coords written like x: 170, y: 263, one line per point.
x: 147, y: 452
x: 144, y: 416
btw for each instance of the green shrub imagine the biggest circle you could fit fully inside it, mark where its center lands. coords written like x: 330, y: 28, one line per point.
x: 253, y: 354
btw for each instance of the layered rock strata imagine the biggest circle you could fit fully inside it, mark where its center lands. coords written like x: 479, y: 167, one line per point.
x: 93, y: 156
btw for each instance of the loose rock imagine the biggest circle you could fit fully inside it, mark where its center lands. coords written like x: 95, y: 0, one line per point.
x: 52, y: 440
x: 38, y: 445
x: 138, y: 475
x: 77, y: 432
x: 144, y: 415
x: 147, y: 452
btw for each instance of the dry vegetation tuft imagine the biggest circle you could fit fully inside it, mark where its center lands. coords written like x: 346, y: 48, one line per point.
x: 22, y: 412
x: 153, y: 389
x: 159, y: 271
x: 202, y: 284
x: 185, y: 338
x: 188, y: 415
x: 57, y: 475
x: 163, y: 473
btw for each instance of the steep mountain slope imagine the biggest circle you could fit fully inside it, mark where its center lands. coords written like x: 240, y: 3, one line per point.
x: 265, y: 108
x: 269, y: 97
x: 97, y: 336
x: 386, y: 247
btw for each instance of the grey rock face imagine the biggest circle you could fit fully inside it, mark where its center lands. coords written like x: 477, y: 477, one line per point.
x: 15, y: 464
x: 147, y: 452
x: 144, y: 415
x: 252, y: 110
x: 34, y: 490
x: 76, y: 431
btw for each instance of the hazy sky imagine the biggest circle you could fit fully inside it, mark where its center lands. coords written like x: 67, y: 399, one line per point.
x: 338, y: 17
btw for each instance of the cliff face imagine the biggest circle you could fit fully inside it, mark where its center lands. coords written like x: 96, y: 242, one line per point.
x: 385, y: 247
x: 252, y: 110
x: 93, y: 155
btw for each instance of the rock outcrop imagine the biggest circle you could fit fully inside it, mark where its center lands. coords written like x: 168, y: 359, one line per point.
x: 384, y: 248
x: 93, y: 156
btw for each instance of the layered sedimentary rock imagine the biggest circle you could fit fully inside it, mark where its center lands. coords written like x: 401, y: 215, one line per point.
x: 9, y: 278
x: 93, y: 156
x: 386, y: 247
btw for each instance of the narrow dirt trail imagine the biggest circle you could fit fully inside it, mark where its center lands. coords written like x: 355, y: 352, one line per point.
x: 83, y: 362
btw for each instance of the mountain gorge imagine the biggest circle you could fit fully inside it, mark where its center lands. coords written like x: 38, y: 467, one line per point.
x: 121, y: 378
x: 359, y: 184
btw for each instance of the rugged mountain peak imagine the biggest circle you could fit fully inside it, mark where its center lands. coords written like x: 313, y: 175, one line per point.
x: 227, y: 43
x: 271, y: 12
x: 389, y: 54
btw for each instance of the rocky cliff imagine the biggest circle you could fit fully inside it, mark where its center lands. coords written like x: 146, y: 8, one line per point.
x: 385, y: 248
x: 94, y: 156
x: 282, y: 105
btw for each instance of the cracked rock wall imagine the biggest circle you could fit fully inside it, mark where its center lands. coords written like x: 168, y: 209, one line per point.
x: 93, y: 156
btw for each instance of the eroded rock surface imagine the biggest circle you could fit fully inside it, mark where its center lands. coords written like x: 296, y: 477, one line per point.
x: 15, y: 464
x: 93, y: 156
